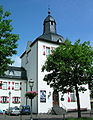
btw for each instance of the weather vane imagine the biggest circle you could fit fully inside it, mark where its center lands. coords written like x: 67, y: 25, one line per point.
x: 49, y: 10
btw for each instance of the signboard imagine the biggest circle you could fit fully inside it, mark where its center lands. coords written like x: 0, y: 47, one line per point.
x: 42, y: 95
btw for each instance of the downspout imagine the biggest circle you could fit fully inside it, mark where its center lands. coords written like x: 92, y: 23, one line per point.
x: 26, y: 90
x: 37, y: 76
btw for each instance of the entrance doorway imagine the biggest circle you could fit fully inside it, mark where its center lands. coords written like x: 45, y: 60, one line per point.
x: 55, y: 98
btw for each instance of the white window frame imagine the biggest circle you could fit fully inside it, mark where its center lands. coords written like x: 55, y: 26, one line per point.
x: 4, y: 86
x: 16, y: 100
x: 48, y: 51
x: 4, y: 99
x: 17, y: 86
x: 74, y: 97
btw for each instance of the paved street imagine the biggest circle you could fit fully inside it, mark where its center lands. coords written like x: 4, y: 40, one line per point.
x: 45, y: 116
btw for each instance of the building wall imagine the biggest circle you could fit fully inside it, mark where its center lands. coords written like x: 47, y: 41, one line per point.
x: 44, y: 101
x: 29, y: 62
x: 72, y: 105
x: 23, y: 91
x: 43, y: 107
x: 15, y: 90
x: 44, y: 104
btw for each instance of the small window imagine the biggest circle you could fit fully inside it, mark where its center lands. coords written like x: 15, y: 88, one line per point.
x: 73, y: 97
x: 51, y: 22
x: 4, y: 99
x: 47, y: 51
x: 26, y: 58
x: 52, y: 48
x: 4, y: 86
x: 11, y: 73
x: 17, y: 86
x: 16, y: 100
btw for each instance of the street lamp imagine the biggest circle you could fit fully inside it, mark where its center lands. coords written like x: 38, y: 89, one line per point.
x: 31, y: 84
x: 9, y: 101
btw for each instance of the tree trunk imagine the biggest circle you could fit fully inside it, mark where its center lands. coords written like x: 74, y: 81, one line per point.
x: 78, y: 102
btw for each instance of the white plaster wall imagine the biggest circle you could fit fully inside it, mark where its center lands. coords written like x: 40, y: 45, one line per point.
x: 84, y: 101
x: 85, y: 98
x: 14, y: 93
x: 65, y: 104
x: 43, y: 107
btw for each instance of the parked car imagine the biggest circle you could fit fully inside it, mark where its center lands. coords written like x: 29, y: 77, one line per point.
x: 25, y: 109
x: 13, y: 111
x: 1, y: 112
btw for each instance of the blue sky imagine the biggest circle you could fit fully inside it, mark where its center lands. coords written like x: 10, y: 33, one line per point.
x: 74, y: 19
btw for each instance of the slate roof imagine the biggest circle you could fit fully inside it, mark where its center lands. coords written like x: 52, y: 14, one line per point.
x: 15, y: 73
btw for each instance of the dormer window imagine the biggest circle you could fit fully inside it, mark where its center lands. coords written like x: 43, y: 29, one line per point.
x: 11, y: 72
x: 59, y: 40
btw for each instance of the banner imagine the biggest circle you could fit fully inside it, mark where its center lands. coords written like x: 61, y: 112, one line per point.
x: 42, y: 95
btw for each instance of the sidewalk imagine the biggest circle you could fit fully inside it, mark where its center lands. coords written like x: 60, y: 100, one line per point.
x: 47, y: 116
x: 67, y: 115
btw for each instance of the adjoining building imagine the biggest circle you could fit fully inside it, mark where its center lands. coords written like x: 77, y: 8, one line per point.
x: 15, y: 82
x: 13, y: 88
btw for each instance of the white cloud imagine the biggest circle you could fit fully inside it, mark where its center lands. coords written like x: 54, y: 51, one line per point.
x: 17, y: 61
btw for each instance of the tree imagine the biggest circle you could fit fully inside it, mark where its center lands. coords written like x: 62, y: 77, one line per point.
x: 69, y: 67
x: 8, y: 41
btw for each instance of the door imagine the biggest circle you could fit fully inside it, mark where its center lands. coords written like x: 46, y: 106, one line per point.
x: 55, y: 98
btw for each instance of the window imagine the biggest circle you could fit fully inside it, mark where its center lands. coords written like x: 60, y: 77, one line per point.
x: 16, y: 100
x: 4, y: 86
x: 11, y: 72
x: 73, y: 97
x: 47, y: 51
x: 51, y: 22
x: 26, y: 58
x: 4, y: 99
x: 17, y: 86
x: 52, y: 48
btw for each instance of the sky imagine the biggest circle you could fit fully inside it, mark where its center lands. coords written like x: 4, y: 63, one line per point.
x: 74, y: 20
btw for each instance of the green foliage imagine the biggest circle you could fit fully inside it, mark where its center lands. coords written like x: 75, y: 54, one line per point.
x: 8, y: 41
x: 69, y: 65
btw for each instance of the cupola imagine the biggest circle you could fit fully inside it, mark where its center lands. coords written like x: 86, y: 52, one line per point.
x: 49, y: 25
x: 49, y: 30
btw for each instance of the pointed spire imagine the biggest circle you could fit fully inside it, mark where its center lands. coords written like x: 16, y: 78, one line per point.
x: 49, y: 12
